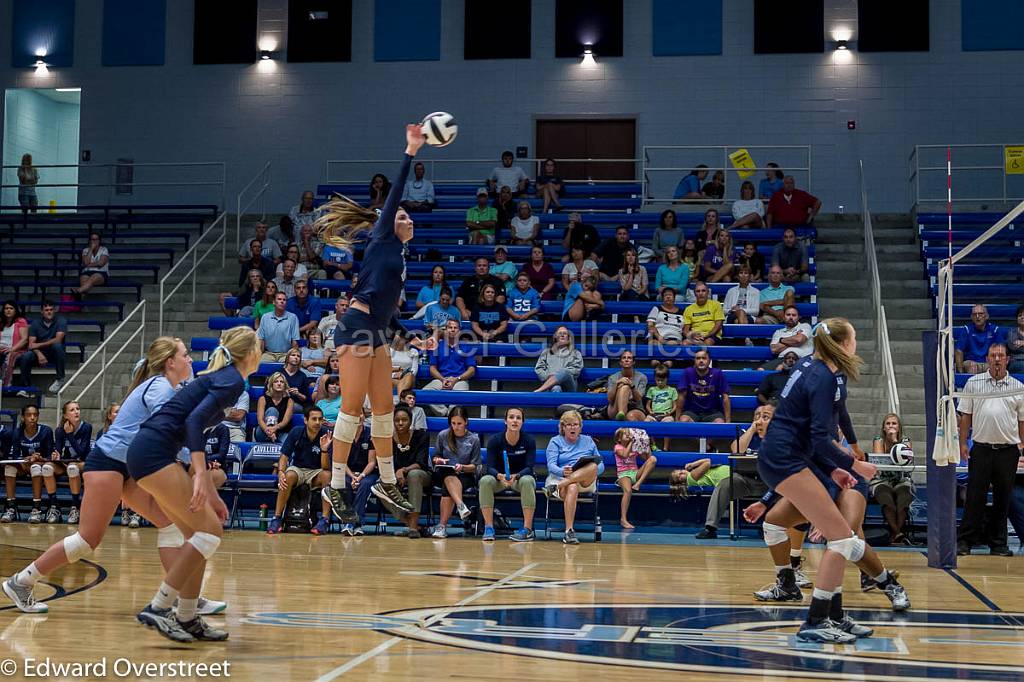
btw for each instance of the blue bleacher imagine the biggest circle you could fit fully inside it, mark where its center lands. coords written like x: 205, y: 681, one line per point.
x: 468, y: 189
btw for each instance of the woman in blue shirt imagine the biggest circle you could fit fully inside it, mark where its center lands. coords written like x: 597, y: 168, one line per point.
x: 432, y: 291
x: 673, y: 273
x: 573, y: 467
x: 71, y: 444
x: 772, y: 182
x: 362, y: 333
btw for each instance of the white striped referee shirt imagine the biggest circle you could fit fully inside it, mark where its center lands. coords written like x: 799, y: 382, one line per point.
x: 994, y: 420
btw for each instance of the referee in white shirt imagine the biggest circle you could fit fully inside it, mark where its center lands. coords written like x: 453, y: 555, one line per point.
x: 998, y: 425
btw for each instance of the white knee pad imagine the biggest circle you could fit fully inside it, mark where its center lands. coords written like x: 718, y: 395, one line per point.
x: 74, y: 471
x: 205, y: 543
x: 345, y: 427
x: 47, y: 470
x: 10, y: 471
x: 774, y: 535
x: 852, y: 548
x: 169, y: 536
x: 37, y: 469
x: 382, y: 425
x: 75, y: 547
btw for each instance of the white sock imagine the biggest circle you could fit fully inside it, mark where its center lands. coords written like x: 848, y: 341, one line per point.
x: 187, y: 609
x: 822, y: 594
x: 164, y: 598
x: 838, y: 590
x: 796, y: 552
x: 386, y: 467
x: 28, y: 576
x: 882, y: 577
x: 780, y: 569
x: 337, y: 476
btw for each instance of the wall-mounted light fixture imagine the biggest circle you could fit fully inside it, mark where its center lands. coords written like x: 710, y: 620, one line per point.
x: 842, y: 45
x: 266, y: 54
x: 588, y: 56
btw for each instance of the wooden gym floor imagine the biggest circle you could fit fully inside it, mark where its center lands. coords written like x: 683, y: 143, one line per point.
x: 389, y: 608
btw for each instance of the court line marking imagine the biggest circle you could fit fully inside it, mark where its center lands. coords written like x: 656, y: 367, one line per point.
x: 384, y: 646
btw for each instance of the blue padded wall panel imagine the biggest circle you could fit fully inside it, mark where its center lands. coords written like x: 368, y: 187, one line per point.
x: 991, y: 25
x: 407, y: 30
x: 134, y: 32
x: 39, y: 26
x: 683, y: 27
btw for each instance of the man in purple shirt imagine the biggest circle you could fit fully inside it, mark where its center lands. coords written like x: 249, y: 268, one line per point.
x: 703, y: 393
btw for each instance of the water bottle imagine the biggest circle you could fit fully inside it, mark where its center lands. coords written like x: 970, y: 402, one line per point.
x: 263, y: 517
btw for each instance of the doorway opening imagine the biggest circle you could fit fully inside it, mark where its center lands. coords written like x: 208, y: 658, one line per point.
x: 43, y: 123
x: 589, y: 138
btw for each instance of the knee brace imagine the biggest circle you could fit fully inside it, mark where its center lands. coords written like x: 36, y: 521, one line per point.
x: 852, y: 548
x: 74, y: 471
x: 47, y: 470
x: 36, y: 470
x: 382, y: 425
x: 345, y: 428
x: 169, y: 536
x: 205, y: 543
x: 774, y: 535
x: 10, y: 471
x: 75, y: 547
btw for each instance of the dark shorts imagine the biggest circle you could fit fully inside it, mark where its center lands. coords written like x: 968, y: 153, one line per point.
x: 149, y: 453
x: 356, y: 328
x: 98, y: 461
x: 774, y: 467
x: 89, y: 273
x: 704, y: 417
x: 468, y: 481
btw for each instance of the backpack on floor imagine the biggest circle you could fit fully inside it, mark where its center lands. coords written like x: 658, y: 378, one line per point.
x: 501, y: 524
x: 300, y: 514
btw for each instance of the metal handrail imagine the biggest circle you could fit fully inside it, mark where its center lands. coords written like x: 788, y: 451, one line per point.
x: 264, y: 173
x: 431, y: 164
x: 101, y: 352
x: 916, y: 170
x: 196, y: 260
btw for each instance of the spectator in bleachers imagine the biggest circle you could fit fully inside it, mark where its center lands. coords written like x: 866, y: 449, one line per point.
x: 748, y: 210
x: 632, y: 445
x: 234, y: 417
x: 791, y: 256
x: 578, y: 268
x: 13, y: 339
x: 772, y: 182
x: 418, y: 193
x: 311, y: 250
x: 550, y: 186
x: 775, y: 297
x: 716, y: 188
x: 668, y: 233
x: 574, y: 464
x: 320, y: 387
x: 298, y: 380
x: 611, y: 253
x: 717, y: 266
x: 708, y: 233
x: 524, y: 227
x: 770, y: 389
x: 256, y: 261
x: 268, y: 248
x: 266, y: 303
x: 507, y: 209
x: 28, y: 178
x: 661, y: 398
x: 689, y: 187
x: 893, y: 490
x: 503, y: 269
x: 330, y: 322
x: 703, y: 393
x: 305, y: 460
x: 109, y: 415
x: 469, y: 291
x: 284, y: 234
x: 665, y: 321
x: 412, y: 452
x: 689, y: 255
x: 286, y: 280
x: 419, y: 417
x: 431, y: 292
x: 32, y: 443
x: 579, y: 235
x: 279, y: 330
x: 703, y: 319
x: 508, y: 175
x: 481, y: 220
x: 1014, y: 345
x: 523, y: 302
x: 698, y: 474
x: 72, y: 441
x: 511, y: 455
x: 972, y: 346
x: 405, y: 363
x: 95, y: 265
x: 559, y: 366
x: 489, y: 318
x: 380, y: 188
x: 247, y: 296
x: 314, y: 357
x: 456, y: 466
x: 792, y: 206
x: 330, y: 404
x: 794, y: 337
x: 753, y: 260
x: 626, y: 389
x: 451, y: 366
x: 274, y: 410
x: 45, y: 347
x: 742, y: 302
x: 303, y: 213
x: 305, y: 306
x: 583, y: 301
x: 338, y: 262
x: 633, y: 278
x: 541, y: 274
x: 440, y: 311
x: 291, y: 253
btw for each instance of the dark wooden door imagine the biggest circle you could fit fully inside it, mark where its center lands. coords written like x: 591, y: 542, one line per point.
x: 589, y: 139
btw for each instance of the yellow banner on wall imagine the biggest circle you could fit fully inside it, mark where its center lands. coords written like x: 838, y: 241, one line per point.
x: 745, y: 165
x: 1014, y: 160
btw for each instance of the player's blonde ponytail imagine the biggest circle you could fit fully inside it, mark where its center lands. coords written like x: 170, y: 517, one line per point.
x: 829, y: 337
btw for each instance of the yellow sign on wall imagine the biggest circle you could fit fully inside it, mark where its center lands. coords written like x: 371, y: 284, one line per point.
x: 745, y: 165
x: 1014, y: 160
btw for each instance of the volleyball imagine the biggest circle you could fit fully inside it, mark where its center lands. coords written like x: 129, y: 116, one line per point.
x: 901, y: 455
x: 440, y: 128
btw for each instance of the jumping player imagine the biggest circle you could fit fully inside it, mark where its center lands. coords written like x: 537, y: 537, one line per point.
x: 361, y: 336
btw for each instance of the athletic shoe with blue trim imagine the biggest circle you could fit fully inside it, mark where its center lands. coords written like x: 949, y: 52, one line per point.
x: 322, y: 527
x: 523, y: 535
x: 164, y: 622
x: 274, y: 527
x: 22, y: 597
x: 855, y: 629
x: 342, y: 511
x: 210, y: 607
x: 347, y: 530
x: 488, y: 534
x: 200, y: 630
x: 827, y: 631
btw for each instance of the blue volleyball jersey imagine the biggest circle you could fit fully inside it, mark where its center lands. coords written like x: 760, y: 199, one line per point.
x: 142, y: 403
x: 41, y: 443
x: 842, y: 415
x: 184, y: 418
x: 6, y: 434
x: 218, y: 440
x: 302, y: 451
x: 74, y: 446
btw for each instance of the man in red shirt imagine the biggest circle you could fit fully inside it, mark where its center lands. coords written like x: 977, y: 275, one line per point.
x: 792, y: 206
